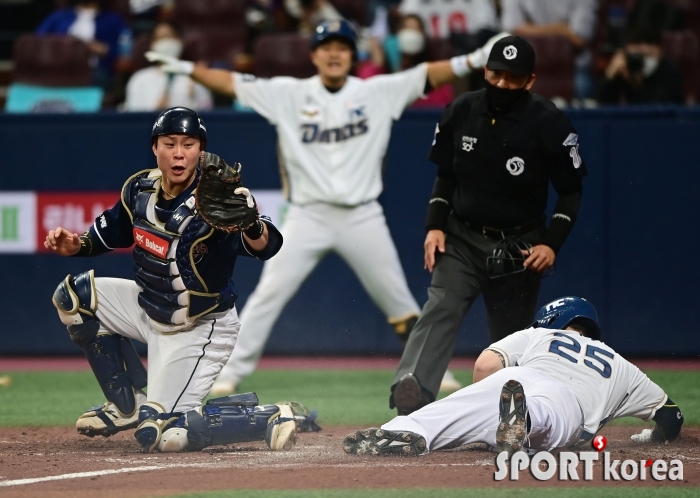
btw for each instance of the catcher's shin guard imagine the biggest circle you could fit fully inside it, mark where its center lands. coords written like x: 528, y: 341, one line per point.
x: 113, y: 359
x: 403, y: 327
x: 239, y: 419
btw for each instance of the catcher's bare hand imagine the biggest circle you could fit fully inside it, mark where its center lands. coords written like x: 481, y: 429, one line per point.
x: 435, y: 240
x: 62, y: 242
x: 540, y: 258
x: 222, y: 201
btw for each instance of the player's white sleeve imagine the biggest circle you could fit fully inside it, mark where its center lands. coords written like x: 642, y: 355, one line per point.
x: 512, y: 347
x: 643, y: 398
x: 397, y: 91
x: 267, y: 97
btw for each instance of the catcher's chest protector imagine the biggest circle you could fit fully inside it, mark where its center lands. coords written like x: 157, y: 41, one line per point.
x: 173, y: 294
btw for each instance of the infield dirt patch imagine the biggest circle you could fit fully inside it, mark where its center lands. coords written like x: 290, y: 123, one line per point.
x: 317, y: 462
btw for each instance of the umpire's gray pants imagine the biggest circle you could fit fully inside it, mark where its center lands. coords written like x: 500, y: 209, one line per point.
x: 458, y: 279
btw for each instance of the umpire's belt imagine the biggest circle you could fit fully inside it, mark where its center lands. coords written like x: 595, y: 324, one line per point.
x: 502, y: 233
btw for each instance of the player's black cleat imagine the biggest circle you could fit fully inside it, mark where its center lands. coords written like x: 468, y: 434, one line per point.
x: 512, y: 425
x: 380, y: 442
x: 408, y: 395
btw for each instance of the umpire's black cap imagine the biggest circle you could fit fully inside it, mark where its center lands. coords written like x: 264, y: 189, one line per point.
x: 512, y: 54
x: 179, y: 120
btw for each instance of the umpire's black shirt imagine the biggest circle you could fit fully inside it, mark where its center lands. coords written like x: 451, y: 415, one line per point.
x: 501, y: 162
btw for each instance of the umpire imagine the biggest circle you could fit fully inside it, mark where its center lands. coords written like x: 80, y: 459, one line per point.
x: 496, y: 150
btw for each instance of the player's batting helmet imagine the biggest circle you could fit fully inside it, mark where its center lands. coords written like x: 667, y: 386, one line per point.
x: 329, y: 30
x: 179, y: 120
x: 561, y: 312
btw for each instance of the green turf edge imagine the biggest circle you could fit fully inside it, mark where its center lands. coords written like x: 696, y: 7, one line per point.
x: 669, y: 491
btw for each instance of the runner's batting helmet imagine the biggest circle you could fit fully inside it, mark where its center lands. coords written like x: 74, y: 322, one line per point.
x: 561, y: 312
x: 181, y: 121
x: 340, y: 30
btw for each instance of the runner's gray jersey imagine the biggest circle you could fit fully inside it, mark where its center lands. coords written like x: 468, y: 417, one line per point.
x: 606, y: 385
x: 332, y: 145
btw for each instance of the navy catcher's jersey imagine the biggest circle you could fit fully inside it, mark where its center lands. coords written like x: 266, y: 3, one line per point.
x: 175, y: 251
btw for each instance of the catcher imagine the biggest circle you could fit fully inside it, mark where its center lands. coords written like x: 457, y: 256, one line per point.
x: 188, y: 220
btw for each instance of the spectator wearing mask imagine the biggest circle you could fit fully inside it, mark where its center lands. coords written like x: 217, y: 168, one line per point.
x: 100, y: 29
x: 412, y: 45
x: 151, y: 89
x: 443, y: 18
x: 640, y: 74
x: 311, y: 13
x: 572, y: 19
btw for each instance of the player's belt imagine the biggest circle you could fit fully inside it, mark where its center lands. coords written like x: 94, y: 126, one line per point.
x: 502, y: 233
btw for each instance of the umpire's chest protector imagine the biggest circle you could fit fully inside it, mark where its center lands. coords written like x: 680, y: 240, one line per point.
x: 173, y: 294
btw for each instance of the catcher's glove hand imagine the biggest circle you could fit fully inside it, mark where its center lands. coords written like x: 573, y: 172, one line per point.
x: 222, y: 201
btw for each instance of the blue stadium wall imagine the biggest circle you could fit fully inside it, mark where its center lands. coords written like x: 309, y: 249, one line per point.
x: 633, y: 253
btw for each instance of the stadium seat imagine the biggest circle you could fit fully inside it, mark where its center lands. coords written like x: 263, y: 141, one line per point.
x: 554, y: 66
x: 439, y: 49
x: 284, y: 54
x: 683, y: 48
x: 353, y: 10
x: 51, y: 60
x: 214, y: 30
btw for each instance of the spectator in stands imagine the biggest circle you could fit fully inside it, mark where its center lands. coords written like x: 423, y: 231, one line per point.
x: 467, y: 24
x: 102, y: 30
x: 150, y: 89
x: 412, y: 45
x: 572, y: 19
x: 310, y: 13
x: 640, y: 74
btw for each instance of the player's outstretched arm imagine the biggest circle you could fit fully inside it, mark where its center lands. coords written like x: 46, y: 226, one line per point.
x: 669, y: 421
x: 62, y: 242
x: 217, y: 80
x: 447, y: 71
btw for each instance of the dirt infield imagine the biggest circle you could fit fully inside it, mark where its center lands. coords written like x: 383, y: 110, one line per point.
x: 114, y: 467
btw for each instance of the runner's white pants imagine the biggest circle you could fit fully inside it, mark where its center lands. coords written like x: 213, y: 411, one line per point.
x: 359, y: 235
x: 471, y: 415
x: 181, y: 367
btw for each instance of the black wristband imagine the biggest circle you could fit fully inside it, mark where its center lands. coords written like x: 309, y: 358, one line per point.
x: 86, y: 245
x: 255, y: 231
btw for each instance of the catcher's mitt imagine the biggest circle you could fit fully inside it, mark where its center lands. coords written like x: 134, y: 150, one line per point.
x: 222, y: 201
x: 306, y: 419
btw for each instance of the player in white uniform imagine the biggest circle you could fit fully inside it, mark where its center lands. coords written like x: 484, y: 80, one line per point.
x: 333, y: 132
x: 550, y: 386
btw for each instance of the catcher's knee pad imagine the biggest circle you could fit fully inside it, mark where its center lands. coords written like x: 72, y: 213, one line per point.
x: 158, y: 430
x: 76, y: 301
x: 239, y: 419
x: 403, y: 326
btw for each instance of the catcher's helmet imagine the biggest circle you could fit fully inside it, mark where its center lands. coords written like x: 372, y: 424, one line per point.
x: 328, y: 30
x: 180, y: 120
x: 561, y: 312
x: 507, y: 257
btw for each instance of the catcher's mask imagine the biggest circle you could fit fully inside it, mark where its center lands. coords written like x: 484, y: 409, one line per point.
x: 507, y: 258
x: 561, y: 312
x: 181, y: 121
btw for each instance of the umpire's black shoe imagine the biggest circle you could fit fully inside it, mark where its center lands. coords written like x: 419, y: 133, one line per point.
x: 408, y: 395
x: 380, y: 442
x: 512, y: 426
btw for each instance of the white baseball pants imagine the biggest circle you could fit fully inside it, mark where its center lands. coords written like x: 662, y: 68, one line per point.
x: 181, y: 367
x: 359, y: 235
x: 470, y: 415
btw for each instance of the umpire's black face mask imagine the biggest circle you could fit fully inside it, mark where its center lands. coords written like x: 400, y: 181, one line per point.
x: 504, y: 99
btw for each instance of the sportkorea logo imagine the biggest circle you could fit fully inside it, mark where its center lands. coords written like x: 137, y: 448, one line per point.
x: 515, y: 166
x: 151, y: 243
x: 510, y: 52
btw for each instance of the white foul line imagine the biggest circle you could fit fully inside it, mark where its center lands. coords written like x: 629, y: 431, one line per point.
x: 77, y: 475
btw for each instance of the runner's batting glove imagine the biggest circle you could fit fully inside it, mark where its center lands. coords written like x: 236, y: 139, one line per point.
x: 645, y: 437
x: 170, y: 64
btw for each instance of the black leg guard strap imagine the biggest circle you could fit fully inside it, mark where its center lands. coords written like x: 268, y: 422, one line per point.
x: 137, y: 372
x: 106, y: 359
